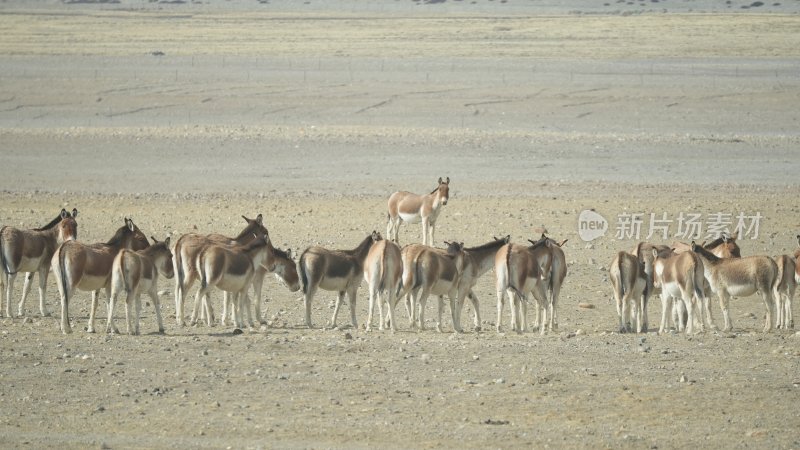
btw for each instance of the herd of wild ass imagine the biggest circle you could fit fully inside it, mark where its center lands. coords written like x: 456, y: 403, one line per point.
x: 128, y: 263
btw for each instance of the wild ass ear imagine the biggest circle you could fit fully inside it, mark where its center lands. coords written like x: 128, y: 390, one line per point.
x: 289, y: 253
x: 259, y: 219
x: 561, y: 244
x: 447, y: 181
x: 655, y: 253
x: 64, y: 213
x: 375, y: 236
x: 74, y: 212
x: 734, y: 236
x: 166, y: 241
x: 694, y: 246
x: 155, y: 241
x: 129, y: 224
x: 507, y: 239
x: 440, y: 180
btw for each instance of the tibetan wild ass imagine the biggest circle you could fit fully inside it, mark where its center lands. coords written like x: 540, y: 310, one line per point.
x: 520, y: 270
x: 188, y: 247
x: 629, y: 281
x: 426, y: 271
x: 412, y: 208
x: 231, y: 269
x: 30, y: 251
x: 680, y: 276
x: 383, y: 271
x: 87, y: 267
x: 741, y: 277
x: 135, y: 272
x: 477, y: 261
x: 334, y: 270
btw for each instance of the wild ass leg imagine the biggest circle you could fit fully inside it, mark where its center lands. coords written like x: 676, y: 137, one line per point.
x: 352, y: 300
x: 419, y: 302
x: 500, y: 301
x: 769, y: 298
x: 92, y: 311
x: 307, y: 297
x: 138, y: 302
x: 477, y: 310
x: 9, y: 288
x: 666, y: 300
x: 26, y: 288
x: 337, y: 305
x: 258, y: 285
x: 371, y: 306
x: 43, y: 274
x: 723, y: 304
x: 153, y: 293
x: 112, y: 303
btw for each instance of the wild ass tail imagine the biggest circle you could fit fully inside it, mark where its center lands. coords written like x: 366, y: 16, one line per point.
x: 301, y: 270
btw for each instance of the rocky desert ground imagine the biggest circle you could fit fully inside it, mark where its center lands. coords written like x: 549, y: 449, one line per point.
x: 187, y: 115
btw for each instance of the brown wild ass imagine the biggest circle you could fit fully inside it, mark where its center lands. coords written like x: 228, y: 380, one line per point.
x: 520, y: 270
x: 426, y: 271
x: 797, y: 266
x: 278, y: 263
x: 539, y: 269
x: 412, y: 208
x: 188, y: 247
x: 230, y: 269
x: 334, y: 270
x: 740, y: 277
x: 787, y: 267
x: 680, y: 276
x: 30, y: 251
x: 644, y: 252
x: 87, y: 267
x: 629, y: 282
x: 477, y: 261
x: 134, y: 272
x: 383, y: 272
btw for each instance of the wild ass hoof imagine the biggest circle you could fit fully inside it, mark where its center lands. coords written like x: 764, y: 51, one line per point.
x: 478, y: 328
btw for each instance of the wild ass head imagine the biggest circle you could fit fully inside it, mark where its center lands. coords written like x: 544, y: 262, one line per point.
x: 162, y: 257
x: 129, y: 236
x: 443, y: 190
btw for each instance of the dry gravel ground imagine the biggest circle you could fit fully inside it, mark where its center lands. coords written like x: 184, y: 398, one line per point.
x: 187, y: 115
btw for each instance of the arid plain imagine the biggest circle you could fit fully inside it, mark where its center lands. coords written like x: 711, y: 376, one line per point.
x: 187, y: 115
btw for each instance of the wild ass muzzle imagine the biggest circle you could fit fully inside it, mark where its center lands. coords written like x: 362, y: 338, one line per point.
x: 87, y: 267
x: 188, y: 247
x: 426, y: 271
x: 30, y: 251
x: 680, y: 276
x: 629, y: 281
x: 383, y: 272
x: 740, y: 277
x: 134, y: 272
x: 334, y: 270
x: 230, y: 269
x: 412, y: 208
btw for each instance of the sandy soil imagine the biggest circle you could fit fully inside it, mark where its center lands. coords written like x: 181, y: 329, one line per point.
x: 185, y: 116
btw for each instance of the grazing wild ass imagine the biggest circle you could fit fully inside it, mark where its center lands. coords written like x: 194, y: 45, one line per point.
x: 278, y: 263
x: 334, y: 270
x: 477, y: 261
x: 787, y: 267
x: 383, y: 271
x: 539, y: 269
x: 426, y: 271
x: 134, y: 272
x: 680, y: 276
x: 740, y: 277
x: 87, y: 267
x: 30, y: 251
x: 188, y: 247
x: 230, y: 269
x: 629, y: 282
x: 412, y: 208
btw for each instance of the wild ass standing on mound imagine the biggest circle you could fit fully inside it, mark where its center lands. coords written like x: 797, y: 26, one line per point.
x: 680, y: 276
x: 135, y: 272
x: 740, y: 277
x: 88, y: 267
x: 383, y: 271
x: 629, y: 282
x: 412, y: 208
x: 187, y: 249
x: 231, y: 269
x: 30, y: 251
x: 334, y: 270
x: 426, y: 271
